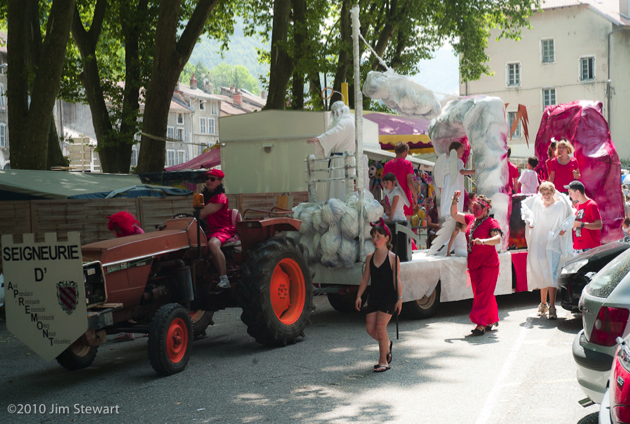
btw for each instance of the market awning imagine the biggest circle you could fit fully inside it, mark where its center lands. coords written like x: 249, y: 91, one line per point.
x: 206, y: 160
x: 393, y: 129
x: 17, y: 184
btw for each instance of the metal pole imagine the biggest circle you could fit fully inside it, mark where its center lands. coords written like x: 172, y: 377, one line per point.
x: 312, y: 186
x: 358, y: 116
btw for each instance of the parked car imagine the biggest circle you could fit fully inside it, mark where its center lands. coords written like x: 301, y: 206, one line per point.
x: 605, y: 306
x: 615, y: 407
x: 578, y: 271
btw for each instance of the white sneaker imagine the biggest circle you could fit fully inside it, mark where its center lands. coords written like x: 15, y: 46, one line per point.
x: 542, y: 309
x: 224, y: 283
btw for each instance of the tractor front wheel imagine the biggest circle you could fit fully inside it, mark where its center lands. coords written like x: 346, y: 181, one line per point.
x: 276, y: 292
x: 170, y: 338
x: 77, y: 356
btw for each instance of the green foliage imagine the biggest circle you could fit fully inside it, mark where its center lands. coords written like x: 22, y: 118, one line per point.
x: 221, y: 75
x: 401, y: 31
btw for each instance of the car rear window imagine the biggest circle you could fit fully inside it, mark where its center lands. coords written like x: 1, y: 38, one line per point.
x: 610, y: 276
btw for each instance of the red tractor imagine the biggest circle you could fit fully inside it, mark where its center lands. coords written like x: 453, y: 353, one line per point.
x: 163, y: 284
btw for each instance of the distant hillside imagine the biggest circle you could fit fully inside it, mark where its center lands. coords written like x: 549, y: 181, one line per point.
x: 242, y: 51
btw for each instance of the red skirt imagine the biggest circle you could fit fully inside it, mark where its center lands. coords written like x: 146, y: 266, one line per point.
x: 484, y: 281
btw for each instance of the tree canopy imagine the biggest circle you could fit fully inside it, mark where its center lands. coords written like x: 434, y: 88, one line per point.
x: 314, y: 37
x: 124, y: 54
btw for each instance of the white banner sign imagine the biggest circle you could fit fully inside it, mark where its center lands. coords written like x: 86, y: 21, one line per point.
x: 45, y: 292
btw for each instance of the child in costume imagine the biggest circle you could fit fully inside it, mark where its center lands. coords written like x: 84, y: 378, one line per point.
x: 385, y: 295
x: 397, y: 199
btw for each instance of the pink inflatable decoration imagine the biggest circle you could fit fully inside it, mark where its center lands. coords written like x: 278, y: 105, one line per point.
x: 582, y: 123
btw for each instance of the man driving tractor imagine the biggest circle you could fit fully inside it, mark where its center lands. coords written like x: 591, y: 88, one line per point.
x: 217, y: 215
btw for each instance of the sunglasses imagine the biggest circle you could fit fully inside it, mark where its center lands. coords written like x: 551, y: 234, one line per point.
x: 213, y: 179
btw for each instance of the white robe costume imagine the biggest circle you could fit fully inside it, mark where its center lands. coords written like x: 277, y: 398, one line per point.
x: 338, y: 139
x: 547, y: 249
x: 449, y: 180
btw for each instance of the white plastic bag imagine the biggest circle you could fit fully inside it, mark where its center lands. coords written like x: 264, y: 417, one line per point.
x: 317, y: 250
x: 373, y: 210
x: 331, y: 241
x: 350, y: 224
x: 337, y: 209
x: 331, y: 261
x: 295, y: 235
x: 348, y: 252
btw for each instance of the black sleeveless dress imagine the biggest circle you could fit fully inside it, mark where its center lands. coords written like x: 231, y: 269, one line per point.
x: 383, y: 296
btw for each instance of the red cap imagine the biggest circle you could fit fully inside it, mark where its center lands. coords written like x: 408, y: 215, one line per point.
x: 216, y: 173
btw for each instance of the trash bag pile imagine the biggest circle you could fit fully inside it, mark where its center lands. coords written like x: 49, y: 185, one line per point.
x: 329, y: 232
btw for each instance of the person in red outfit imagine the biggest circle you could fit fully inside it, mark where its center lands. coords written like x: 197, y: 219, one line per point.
x: 552, y: 153
x: 124, y: 224
x: 482, y: 235
x: 563, y: 169
x: 513, y: 174
x: 217, y: 215
x: 403, y: 170
x: 588, y: 221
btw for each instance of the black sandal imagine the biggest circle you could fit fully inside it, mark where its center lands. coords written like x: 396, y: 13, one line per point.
x: 489, y: 327
x: 381, y: 368
x: 478, y: 332
x: 389, y: 355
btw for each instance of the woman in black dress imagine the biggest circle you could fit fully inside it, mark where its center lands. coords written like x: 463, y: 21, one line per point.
x: 385, y: 296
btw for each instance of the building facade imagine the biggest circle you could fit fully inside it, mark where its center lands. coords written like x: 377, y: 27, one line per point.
x: 577, y: 50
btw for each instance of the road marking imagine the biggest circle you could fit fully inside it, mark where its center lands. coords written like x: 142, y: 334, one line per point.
x: 492, y: 398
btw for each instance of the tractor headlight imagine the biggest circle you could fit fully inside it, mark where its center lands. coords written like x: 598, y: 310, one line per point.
x: 574, y: 267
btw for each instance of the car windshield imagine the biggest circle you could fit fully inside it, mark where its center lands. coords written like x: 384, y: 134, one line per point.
x: 610, y: 276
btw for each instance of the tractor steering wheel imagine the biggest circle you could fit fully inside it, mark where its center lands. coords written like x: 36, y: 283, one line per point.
x: 180, y: 215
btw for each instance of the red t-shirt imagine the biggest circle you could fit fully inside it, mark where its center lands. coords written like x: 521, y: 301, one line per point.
x: 564, y: 173
x: 513, y: 173
x: 221, y: 219
x: 587, y: 212
x: 482, y: 254
x: 401, y: 168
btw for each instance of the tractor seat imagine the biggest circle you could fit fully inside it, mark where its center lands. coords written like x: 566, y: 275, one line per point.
x: 235, y: 216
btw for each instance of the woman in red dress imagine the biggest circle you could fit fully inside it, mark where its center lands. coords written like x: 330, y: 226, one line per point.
x: 552, y: 153
x: 482, y: 234
x: 563, y: 169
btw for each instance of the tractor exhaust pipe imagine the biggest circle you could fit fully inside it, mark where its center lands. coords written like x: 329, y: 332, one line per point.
x: 184, y: 278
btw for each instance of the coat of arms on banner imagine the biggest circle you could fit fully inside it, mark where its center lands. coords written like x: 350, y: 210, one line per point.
x: 68, y: 296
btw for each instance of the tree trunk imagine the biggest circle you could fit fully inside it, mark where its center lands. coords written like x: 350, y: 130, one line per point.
x: 55, y: 155
x: 131, y: 102
x: 281, y: 64
x: 299, y: 36
x: 168, y: 62
x: 344, y: 60
x: 86, y: 42
x: 29, y: 137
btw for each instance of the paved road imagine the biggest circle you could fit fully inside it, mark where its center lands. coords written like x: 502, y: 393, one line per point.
x: 522, y: 373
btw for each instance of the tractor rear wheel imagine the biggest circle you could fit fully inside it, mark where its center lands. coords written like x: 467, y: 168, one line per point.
x: 276, y: 292
x: 423, y: 308
x: 77, y: 356
x: 170, y: 338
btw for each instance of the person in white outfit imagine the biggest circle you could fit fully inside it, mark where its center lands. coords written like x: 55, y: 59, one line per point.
x: 397, y: 199
x: 528, y: 181
x: 338, y: 139
x: 549, y: 216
